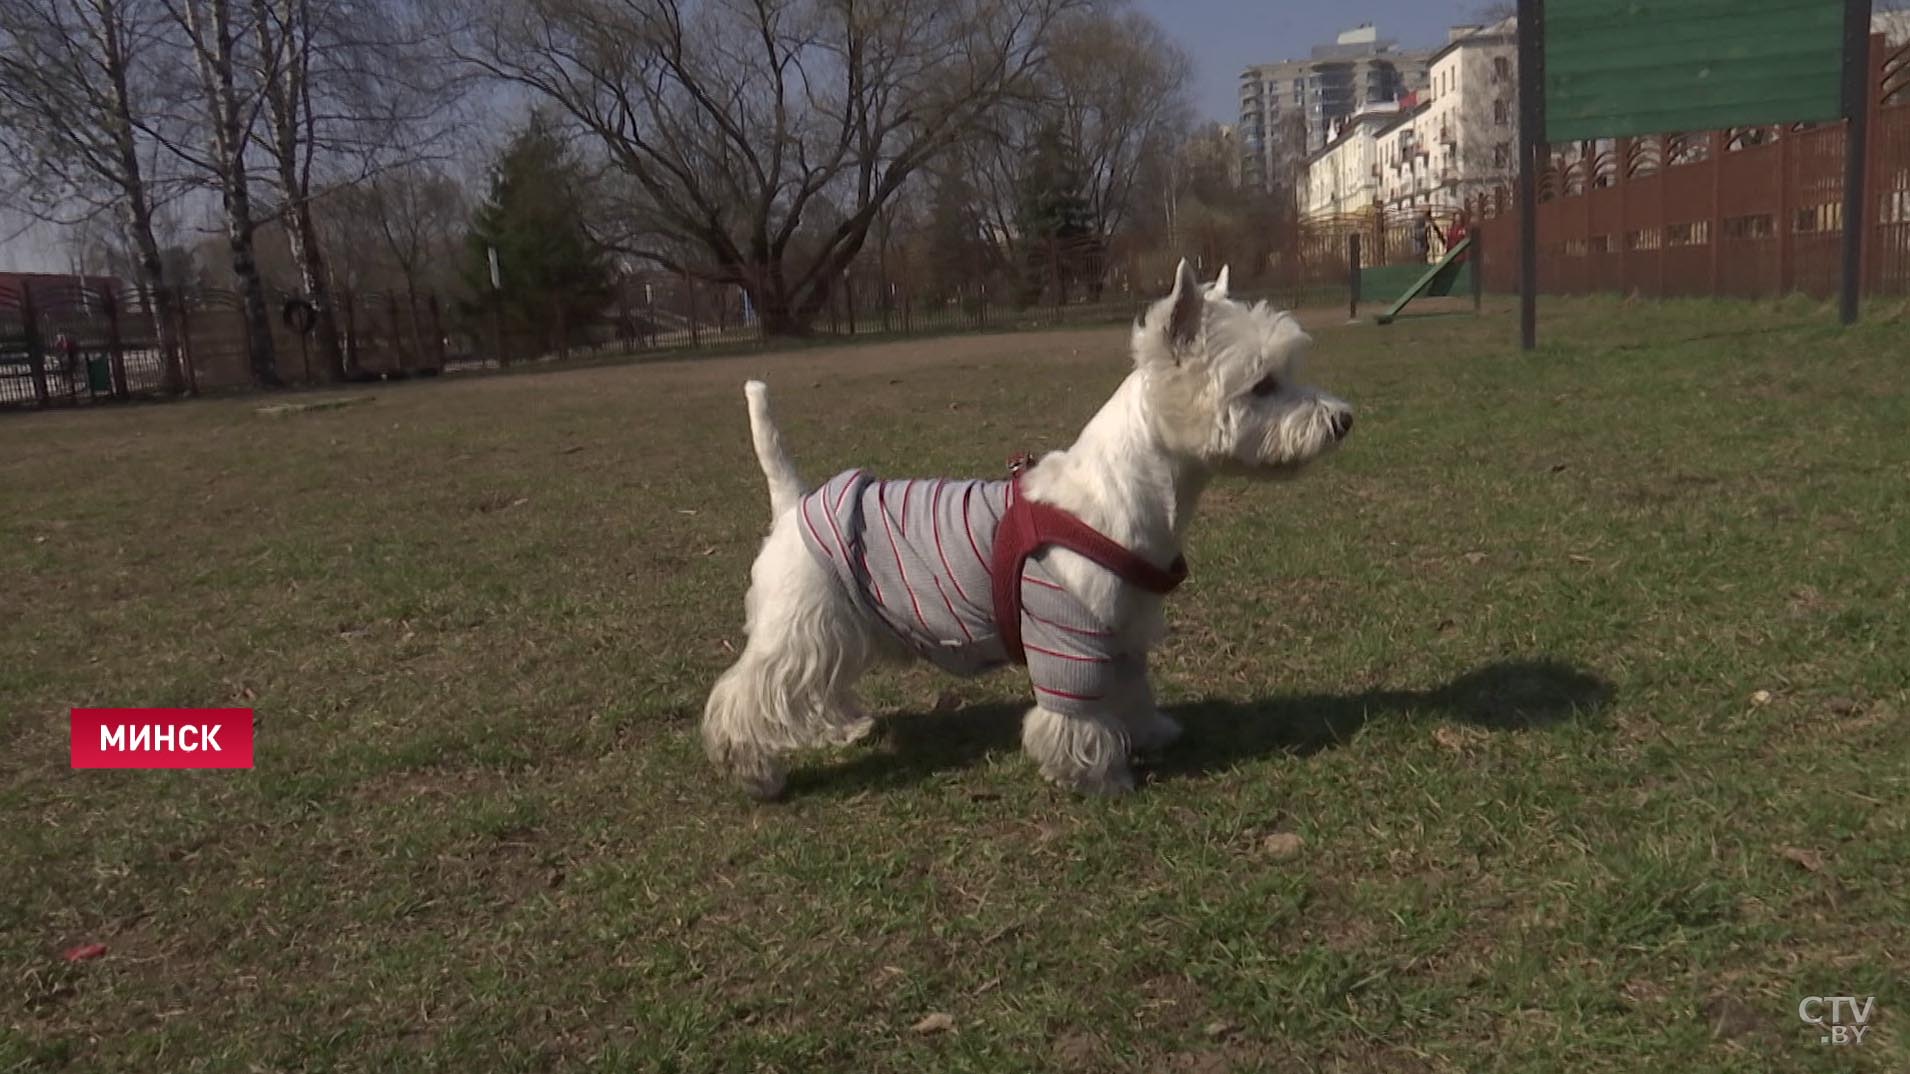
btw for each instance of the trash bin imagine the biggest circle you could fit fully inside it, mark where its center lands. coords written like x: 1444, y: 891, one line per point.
x: 99, y: 374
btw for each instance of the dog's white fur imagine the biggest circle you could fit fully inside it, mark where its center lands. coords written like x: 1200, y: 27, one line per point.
x: 1214, y: 391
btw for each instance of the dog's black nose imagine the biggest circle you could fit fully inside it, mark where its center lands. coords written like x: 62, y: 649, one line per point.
x: 1342, y: 424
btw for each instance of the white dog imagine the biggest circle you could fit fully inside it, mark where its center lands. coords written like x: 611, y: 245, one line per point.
x: 1063, y: 567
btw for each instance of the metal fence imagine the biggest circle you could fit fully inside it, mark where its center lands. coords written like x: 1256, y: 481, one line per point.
x: 66, y: 340
x: 73, y: 340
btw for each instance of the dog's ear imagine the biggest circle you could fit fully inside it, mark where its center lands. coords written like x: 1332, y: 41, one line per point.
x: 1219, y: 290
x: 1170, y: 324
x: 1184, y: 306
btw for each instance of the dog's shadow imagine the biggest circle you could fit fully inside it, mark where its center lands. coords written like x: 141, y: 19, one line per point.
x: 1507, y: 695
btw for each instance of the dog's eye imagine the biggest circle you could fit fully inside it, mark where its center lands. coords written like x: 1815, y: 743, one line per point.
x: 1267, y: 386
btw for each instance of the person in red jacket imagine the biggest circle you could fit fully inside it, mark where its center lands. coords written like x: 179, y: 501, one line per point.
x: 1457, y: 233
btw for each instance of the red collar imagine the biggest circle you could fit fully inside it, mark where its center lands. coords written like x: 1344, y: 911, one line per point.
x: 1027, y: 527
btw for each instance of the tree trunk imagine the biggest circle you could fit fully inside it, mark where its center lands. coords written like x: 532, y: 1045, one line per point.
x: 259, y: 352
x: 791, y: 311
x: 138, y: 211
x: 417, y: 325
x: 163, y: 306
x: 286, y: 91
x: 777, y: 311
x: 779, y: 318
x: 312, y: 276
x: 216, y: 50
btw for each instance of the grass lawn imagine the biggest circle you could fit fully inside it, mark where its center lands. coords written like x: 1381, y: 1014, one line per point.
x: 1561, y: 722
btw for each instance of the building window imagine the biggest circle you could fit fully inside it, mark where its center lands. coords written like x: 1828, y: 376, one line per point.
x: 1501, y: 67
x: 1499, y: 116
x: 1502, y: 155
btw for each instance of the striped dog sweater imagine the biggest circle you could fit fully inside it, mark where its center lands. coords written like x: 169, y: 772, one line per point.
x: 920, y: 556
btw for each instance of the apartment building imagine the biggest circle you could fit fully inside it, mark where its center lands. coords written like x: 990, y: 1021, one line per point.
x: 1459, y: 137
x: 1290, y: 109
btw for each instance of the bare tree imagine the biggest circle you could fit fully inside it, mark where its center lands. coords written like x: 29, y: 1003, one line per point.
x: 74, y: 79
x: 989, y: 163
x: 1115, y: 91
x: 228, y: 106
x: 761, y: 138
x: 1202, y: 171
x: 1120, y: 86
x: 402, y: 229
x: 285, y: 33
x: 357, y: 95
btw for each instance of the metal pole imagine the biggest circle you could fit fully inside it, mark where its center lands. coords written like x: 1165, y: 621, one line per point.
x: 1477, y: 259
x: 497, y: 308
x: 1857, y: 91
x: 36, y: 347
x: 1353, y: 276
x: 1531, y: 144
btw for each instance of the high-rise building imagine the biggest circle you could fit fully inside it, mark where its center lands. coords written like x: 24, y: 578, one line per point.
x: 1288, y: 109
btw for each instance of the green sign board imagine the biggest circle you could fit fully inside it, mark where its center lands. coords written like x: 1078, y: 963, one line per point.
x: 1615, y: 68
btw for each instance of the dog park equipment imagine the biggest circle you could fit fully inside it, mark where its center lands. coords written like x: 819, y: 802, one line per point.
x: 1436, y: 281
x: 1591, y: 69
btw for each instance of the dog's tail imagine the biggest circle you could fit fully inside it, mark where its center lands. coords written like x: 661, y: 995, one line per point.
x: 785, y: 486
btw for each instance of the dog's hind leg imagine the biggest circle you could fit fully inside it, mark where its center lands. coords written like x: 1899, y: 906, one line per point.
x: 790, y: 688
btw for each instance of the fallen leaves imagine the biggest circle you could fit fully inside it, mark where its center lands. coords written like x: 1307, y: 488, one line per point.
x: 1457, y: 739
x: 1810, y: 861
x: 937, y: 1022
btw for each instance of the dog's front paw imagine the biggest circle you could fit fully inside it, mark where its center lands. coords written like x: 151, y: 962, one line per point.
x: 1103, y: 782
x: 1154, y: 732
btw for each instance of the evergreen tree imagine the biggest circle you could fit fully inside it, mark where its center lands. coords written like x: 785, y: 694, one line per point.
x: 554, y: 278
x: 1054, y: 219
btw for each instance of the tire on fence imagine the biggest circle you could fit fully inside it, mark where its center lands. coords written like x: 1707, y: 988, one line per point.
x: 299, y: 315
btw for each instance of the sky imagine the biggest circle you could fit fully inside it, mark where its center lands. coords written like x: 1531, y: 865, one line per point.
x: 1225, y: 36
x: 1221, y: 36
x: 26, y: 247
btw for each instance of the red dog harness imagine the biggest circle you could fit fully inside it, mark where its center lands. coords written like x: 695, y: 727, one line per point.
x: 1027, y: 527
